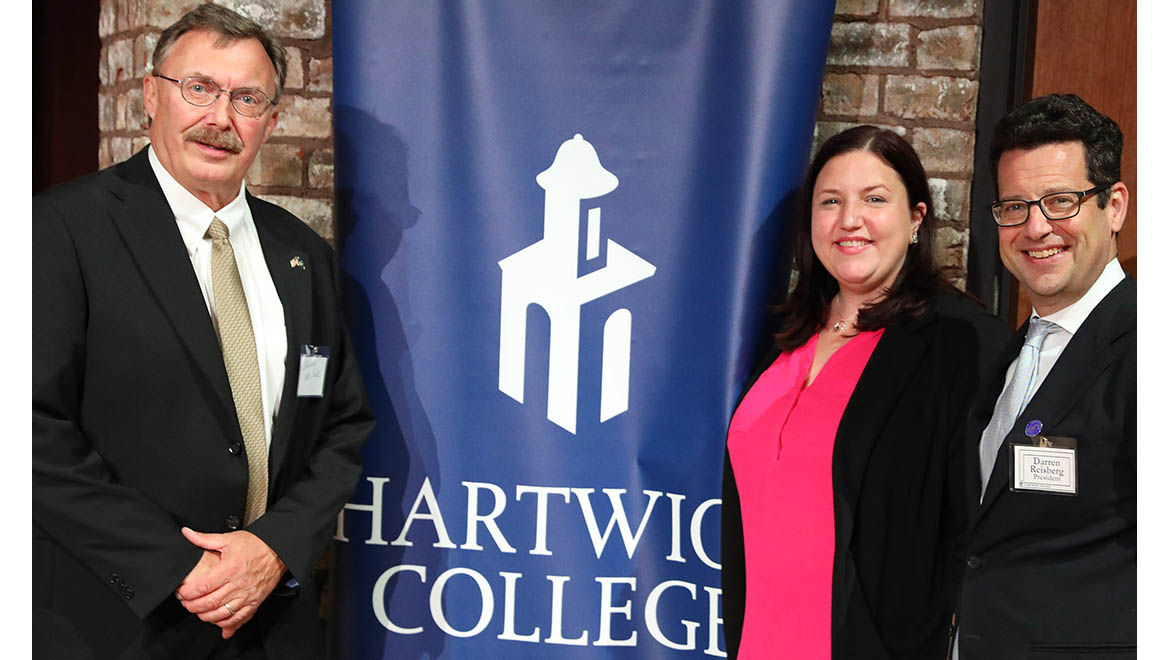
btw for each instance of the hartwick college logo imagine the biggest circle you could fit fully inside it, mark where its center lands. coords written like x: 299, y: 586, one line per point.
x: 546, y: 273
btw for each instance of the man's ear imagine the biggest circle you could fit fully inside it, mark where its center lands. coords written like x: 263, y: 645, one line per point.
x: 1118, y: 206
x: 150, y: 95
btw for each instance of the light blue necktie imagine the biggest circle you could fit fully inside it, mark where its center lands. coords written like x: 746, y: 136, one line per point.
x: 1014, y: 398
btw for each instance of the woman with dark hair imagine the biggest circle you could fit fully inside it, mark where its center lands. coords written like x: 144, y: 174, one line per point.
x: 843, y: 488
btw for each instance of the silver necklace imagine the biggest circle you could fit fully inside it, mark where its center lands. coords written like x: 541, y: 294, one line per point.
x: 843, y: 323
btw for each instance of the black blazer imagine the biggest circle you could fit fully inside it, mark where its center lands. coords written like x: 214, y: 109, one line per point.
x: 898, y: 489
x: 1053, y: 576
x: 134, y: 430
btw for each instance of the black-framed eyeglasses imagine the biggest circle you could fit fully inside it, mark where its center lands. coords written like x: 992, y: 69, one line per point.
x: 202, y: 92
x: 1054, y: 206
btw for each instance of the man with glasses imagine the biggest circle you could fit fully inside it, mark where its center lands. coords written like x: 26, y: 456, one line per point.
x: 198, y: 414
x: 1051, y: 563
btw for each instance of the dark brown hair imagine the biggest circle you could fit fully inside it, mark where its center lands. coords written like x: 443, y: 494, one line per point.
x: 806, y: 310
x: 231, y: 27
x: 1055, y: 118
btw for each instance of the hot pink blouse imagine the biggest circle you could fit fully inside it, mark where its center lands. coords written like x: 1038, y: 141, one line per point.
x: 781, y: 444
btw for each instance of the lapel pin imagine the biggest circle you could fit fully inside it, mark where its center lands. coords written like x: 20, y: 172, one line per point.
x: 296, y: 262
x: 1033, y: 428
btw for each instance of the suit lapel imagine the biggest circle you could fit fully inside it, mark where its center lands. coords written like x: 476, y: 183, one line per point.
x: 293, y: 286
x: 981, y: 412
x: 147, y: 226
x: 1088, y: 353
x: 882, y: 382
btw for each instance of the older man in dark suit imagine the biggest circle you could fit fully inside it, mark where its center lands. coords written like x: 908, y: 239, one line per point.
x: 1051, y: 570
x: 198, y: 413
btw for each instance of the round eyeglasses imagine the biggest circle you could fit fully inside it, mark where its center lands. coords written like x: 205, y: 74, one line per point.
x: 1054, y: 206
x: 202, y: 92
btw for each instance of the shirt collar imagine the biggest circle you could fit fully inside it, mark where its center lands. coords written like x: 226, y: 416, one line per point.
x: 191, y: 214
x: 1070, y: 318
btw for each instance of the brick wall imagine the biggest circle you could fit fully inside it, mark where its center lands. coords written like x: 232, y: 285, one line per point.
x: 295, y: 167
x: 913, y: 66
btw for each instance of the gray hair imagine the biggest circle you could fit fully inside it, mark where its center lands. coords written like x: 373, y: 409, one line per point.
x: 231, y: 27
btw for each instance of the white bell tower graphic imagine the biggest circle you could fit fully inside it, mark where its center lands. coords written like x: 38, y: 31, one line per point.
x: 546, y: 274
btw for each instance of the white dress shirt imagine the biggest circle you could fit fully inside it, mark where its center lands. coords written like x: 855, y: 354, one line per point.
x: 1068, y: 321
x: 264, y: 306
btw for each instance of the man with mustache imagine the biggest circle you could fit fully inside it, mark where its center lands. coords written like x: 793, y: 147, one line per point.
x: 1051, y: 569
x: 198, y: 413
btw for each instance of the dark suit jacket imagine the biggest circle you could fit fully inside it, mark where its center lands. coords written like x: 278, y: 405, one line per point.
x: 134, y: 430
x: 1051, y: 575
x: 898, y: 497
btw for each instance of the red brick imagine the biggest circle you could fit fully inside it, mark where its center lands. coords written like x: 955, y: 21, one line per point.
x: 935, y: 8
x: 952, y: 199
x: 107, y: 112
x: 104, y: 67
x: 857, y: 7
x: 277, y: 165
x: 104, y: 157
x: 121, y: 61
x: 301, y: 19
x: 935, y: 97
x: 321, y: 169
x: 304, y: 117
x: 295, y: 78
x: 296, y: 19
x: 950, y: 249
x: 129, y: 14
x: 131, y: 114
x: 108, y: 18
x: 143, y: 51
x: 849, y: 94
x: 120, y: 148
x: 161, y: 13
x: 317, y: 213
x: 321, y: 75
x: 869, y: 44
x: 955, y: 47
x: 944, y: 150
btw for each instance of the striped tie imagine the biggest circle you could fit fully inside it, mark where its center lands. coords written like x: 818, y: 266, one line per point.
x: 239, y: 358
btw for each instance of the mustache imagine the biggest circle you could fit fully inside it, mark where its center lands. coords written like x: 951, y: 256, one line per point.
x: 226, y: 140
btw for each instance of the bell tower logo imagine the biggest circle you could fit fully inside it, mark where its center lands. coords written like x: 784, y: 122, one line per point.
x: 546, y: 273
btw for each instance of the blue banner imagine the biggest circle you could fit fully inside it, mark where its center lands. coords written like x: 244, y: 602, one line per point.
x: 560, y: 223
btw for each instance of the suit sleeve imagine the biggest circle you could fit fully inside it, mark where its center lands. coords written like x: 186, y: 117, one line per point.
x: 299, y: 525
x: 128, y: 541
x: 982, y: 340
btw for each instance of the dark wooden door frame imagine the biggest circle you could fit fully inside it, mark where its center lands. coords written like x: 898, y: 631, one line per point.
x: 1005, y: 81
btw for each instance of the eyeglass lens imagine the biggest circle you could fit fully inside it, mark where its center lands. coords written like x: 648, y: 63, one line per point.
x: 202, y: 92
x: 1056, y: 206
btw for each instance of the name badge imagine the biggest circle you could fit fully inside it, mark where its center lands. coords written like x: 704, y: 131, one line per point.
x: 311, y: 379
x: 1045, y: 464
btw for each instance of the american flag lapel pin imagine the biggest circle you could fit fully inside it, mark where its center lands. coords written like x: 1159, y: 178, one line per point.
x: 296, y: 262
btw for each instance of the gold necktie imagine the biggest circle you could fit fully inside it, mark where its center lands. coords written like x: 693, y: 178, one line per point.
x: 238, y: 344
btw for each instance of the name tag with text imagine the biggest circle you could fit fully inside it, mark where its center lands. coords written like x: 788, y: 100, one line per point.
x: 311, y: 378
x: 1047, y: 464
